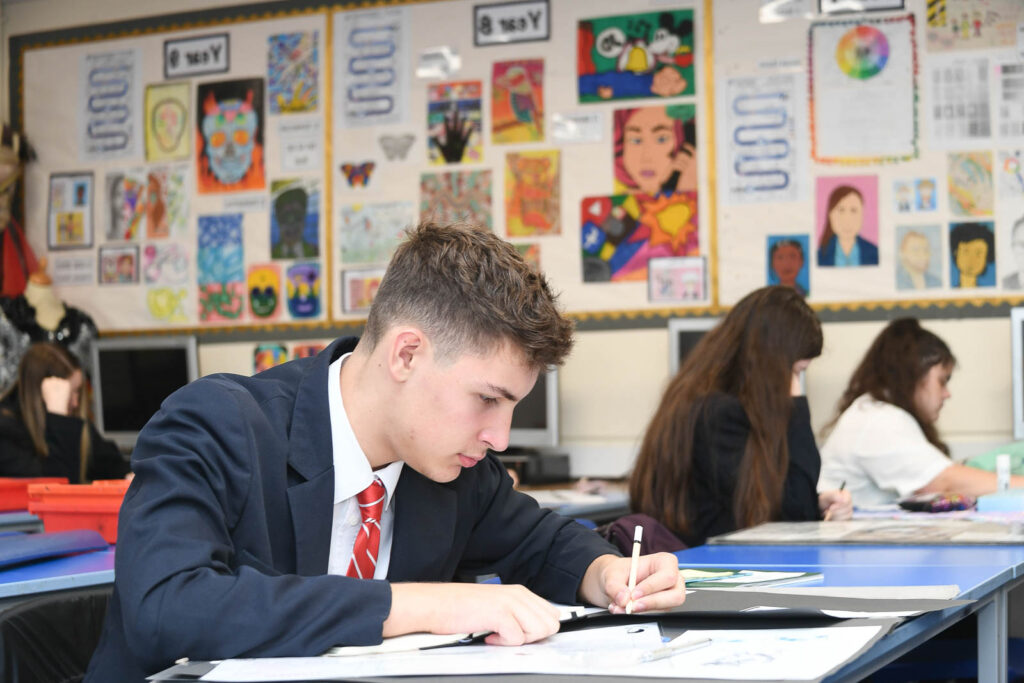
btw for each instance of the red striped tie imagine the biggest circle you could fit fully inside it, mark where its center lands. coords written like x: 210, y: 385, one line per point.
x: 364, y: 552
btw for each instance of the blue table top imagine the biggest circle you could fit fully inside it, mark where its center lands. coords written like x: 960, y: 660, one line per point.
x: 77, y: 571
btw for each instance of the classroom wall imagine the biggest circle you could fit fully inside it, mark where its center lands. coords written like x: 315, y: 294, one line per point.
x: 612, y: 382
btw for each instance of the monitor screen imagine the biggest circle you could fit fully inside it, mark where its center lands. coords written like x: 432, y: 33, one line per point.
x: 683, y: 335
x: 535, y: 419
x: 133, y: 376
x: 1017, y: 346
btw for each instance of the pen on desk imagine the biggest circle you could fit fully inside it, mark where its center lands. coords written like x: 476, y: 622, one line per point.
x: 638, y: 535
x: 674, y: 647
x: 828, y: 513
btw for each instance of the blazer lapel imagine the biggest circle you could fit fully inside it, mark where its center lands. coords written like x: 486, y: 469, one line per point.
x: 425, y: 518
x: 311, y: 460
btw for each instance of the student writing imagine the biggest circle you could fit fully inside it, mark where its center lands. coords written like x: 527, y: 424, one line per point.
x: 239, y: 534
x: 730, y: 445
x: 884, y: 442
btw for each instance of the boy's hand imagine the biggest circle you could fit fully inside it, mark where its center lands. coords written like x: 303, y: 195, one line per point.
x: 659, y: 585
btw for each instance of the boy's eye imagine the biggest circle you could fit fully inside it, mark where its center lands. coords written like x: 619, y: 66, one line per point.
x: 489, y: 400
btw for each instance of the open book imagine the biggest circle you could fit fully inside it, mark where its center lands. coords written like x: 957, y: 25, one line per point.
x: 716, y: 577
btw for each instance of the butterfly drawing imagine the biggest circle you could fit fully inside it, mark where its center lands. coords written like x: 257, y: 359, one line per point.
x: 396, y: 146
x: 357, y: 175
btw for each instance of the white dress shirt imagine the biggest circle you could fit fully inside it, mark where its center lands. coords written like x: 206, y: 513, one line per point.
x: 352, y: 474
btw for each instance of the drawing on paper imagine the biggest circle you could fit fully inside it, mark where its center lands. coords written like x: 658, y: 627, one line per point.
x: 360, y: 286
x: 357, y: 174
x: 456, y: 196
x: 517, y: 101
x: 371, y: 65
x: 454, y: 122
x: 973, y: 254
x: 267, y: 355
x: 635, y: 55
x: 303, y: 285
x: 396, y: 147
x: 229, y: 136
x: 532, y: 193
x: 971, y: 191
x: 847, y: 211
x: 1011, y: 174
x: 919, y: 250
x: 119, y: 265
x: 110, y: 126
x: 677, y: 279
x: 973, y: 24
x: 167, y: 121
x: 167, y: 304
x: 369, y: 233
x: 621, y: 233
x: 69, y: 213
x: 220, y: 268
x: 655, y: 150
x: 295, y: 218
x: 164, y: 264
x: 306, y: 350
x: 788, y: 263
x: 264, y: 285
x: 292, y: 72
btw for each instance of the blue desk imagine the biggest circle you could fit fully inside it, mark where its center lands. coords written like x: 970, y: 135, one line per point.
x: 983, y: 573
x: 77, y: 571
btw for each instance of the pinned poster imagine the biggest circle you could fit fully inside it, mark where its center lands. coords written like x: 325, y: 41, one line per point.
x: 371, y: 66
x: 110, y: 125
x: 369, y: 233
x: 454, y: 120
x: 293, y: 83
x: 517, y: 101
x: 971, y: 190
x: 456, y: 196
x: 167, y: 121
x: 220, y: 268
x: 229, y: 136
x: 295, y: 218
x: 359, y: 286
x: 302, y: 281
x: 264, y: 286
x: 165, y: 264
x: 532, y: 193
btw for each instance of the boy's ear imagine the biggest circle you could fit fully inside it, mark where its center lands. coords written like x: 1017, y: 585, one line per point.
x: 406, y: 352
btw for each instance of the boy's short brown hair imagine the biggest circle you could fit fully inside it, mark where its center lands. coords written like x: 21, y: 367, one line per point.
x: 469, y: 290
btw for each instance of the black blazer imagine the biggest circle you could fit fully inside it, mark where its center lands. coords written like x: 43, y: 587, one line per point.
x: 225, y: 532
x: 718, y: 447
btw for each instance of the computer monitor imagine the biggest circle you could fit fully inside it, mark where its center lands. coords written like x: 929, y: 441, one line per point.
x: 535, y: 419
x: 683, y: 335
x: 1017, y: 342
x: 131, y: 378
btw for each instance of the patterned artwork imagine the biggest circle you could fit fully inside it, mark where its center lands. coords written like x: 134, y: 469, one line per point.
x: 164, y: 264
x: 621, y: 233
x: 292, y: 72
x: 267, y: 355
x: 517, y: 101
x: 677, y: 279
x: 167, y: 121
x: 229, y: 136
x: 167, y: 304
x: 456, y: 196
x: 220, y: 269
x: 635, y: 55
x: 1011, y: 174
x: 369, y: 233
x: 530, y: 251
x: 971, y: 190
x: 150, y: 203
x: 264, y: 284
x: 359, y: 286
x: 307, y: 350
x: 973, y: 250
x: 119, y: 265
x: 295, y: 218
x: 303, y: 283
x: 454, y: 130
x: 532, y: 193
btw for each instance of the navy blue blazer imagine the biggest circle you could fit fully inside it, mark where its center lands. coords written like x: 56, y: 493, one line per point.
x: 225, y: 532
x: 868, y: 252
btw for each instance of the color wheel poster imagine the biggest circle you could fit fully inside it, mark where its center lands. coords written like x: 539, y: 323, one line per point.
x: 863, y: 91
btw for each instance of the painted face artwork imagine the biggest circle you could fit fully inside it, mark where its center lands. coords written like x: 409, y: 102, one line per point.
x: 915, y: 253
x: 304, y: 290
x: 228, y: 130
x: 649, y: 147
x: 264, y: 284
x: 972, y: 257
x: 847, y: 216
x: 787, y: 262
x: 290, y: 210
x: 168, y: 123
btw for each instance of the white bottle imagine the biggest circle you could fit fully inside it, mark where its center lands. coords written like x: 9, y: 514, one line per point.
x: 1003, y: 472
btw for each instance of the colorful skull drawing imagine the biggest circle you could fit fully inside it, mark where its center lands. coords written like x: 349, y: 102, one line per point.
x: 228, y: 130
x: 304, y: 290
x: 264, y: 289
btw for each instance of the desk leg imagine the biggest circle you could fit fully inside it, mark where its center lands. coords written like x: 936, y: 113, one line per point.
x: 993, y: 634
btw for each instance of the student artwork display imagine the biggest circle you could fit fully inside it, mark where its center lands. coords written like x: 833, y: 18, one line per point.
x: 167, y: 304
x: 788, y: 264
x: 863, y: 90
x: 517, y: 101
x: 293, y: 84
x: 220, y: 268
x: 655, y: 150
x: 621, y: 233
x: 303, y: 284
x: 1010, y: 170
x: 973, y: 24
x: 359, y: 286
x: 167, y: 121
x: 371, y: 72
x: 294, y: 218
x: 164, y: 264
x: 973, y: 249
x: 119, y: 265
x: 267, y: 355
x: 69, y: 211
x: 635, y: 55
x: 971, y: 190
x: 369, y: 233
x: 229, y: 136
x: 264, y: 286
x: 847, y: 211
x: 919, y: 250
x: 454, y: 120
x: 456, y: 196
x: 533, y: 193
x: 150, y: 203
x: 109, y: 125
x: 677, y: 279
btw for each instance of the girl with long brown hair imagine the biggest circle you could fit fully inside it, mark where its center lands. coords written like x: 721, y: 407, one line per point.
x: 44, y: 423
x: 731, y: 444
x: 883, y: 442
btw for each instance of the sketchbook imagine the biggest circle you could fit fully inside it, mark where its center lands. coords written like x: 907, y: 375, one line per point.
x: 720, y: 577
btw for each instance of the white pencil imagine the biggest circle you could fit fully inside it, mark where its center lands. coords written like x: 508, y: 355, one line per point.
x: 637, y: 537
x: 679, y: 644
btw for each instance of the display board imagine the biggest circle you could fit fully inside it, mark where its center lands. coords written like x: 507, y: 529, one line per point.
x: 256, y: 166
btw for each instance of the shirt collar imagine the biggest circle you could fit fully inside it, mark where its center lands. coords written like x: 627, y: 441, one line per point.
x: 352, y: 472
